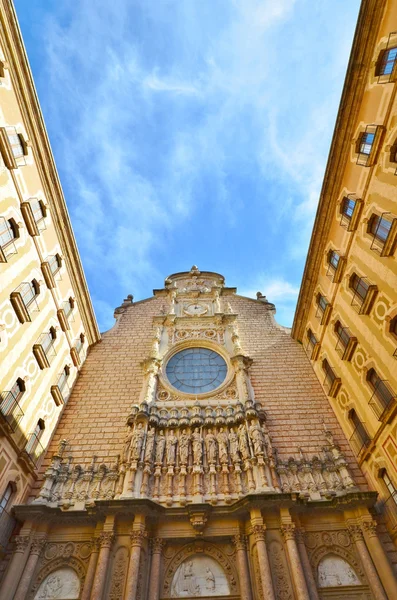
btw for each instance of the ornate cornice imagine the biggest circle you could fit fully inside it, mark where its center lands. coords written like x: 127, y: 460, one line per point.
x: 365, y: 37
x: 28, y: 102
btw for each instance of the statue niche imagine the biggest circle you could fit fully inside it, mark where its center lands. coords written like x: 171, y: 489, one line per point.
x: 198, y: 576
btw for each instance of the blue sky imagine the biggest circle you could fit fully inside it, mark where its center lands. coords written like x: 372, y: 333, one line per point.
x: 190, y: 132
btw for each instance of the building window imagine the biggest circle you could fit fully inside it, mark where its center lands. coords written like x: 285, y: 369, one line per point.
x: 9, y: 232
x: 323, y: 309
x: 55, y: 263
x: 367, y: 145
x: 384, y: 233
x: 34, y: 448
x: 50, y: 268
x: 13, y: 147
x: 34, y: 213
x: 360, y: 438
x: 346, y: 343
x: 335, y: 266
x: 24, y: 300
x: 393, y: 326
x: 331, y: 382
x: 68, y: 307
x: 60, y: 391
x: 390, y: 487
x: 77, y: 351
x: 313, y: 346
x: 385, y: 68
x: 6, y: 497
x: 350, y: 210
x: 10, y: 410
x: 7, y: 521
x: 364, y: 293
x: 44, y: 349
x: 383, y: 397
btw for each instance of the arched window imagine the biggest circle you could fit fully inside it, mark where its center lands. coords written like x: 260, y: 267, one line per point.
x: 6, y: 498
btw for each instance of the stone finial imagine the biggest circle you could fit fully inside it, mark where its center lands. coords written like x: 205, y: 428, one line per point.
x: 194, y: 270
x: 129, y: 300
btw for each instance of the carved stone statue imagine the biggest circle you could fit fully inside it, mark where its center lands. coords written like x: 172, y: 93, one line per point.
x: 222, y: 446
x: 233, y: 439
x: 197, y: 447
x: 127, y: 445
x: 210, y: 580
x: 137, y: 442
x: 243, y: 443
x: 171, y: 448
x: 184, y: 447
x: 257, y: 438
x: 150, y: 444
x: 160, y: 445
x: 210, y: 446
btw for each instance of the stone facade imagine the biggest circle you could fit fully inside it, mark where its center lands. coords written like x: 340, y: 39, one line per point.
x: 346, y: 316
x: 247, y: 490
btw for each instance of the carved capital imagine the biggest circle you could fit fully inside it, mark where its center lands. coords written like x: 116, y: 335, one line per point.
x: 240, y: 541
x: 198, y: 520
x: 157, y: 545
x: 355, y: 532
x: 300, y: 535
x: 38, y: 544
x: 95, y: 544
x: 106, y: 539
x: 259, y: 532
x: 137, y: 537
x: 21, y: 543
x: 370, y: 528
x: 288, y: 531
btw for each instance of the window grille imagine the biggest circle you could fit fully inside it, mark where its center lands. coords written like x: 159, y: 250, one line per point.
x: 383, y: 232
x: 34, y: 448
x: 346, y: 342
x: 323, y: 309
x: 17, y: 146
x: 389, y: 484
x: 39, y: 212
x: 365, y: 145
x: 312, y: 346
x: 55, y: 263
x: 360, y: 438
x: 364, y: 293
x: 383, y: 396
x: 7, y: 521
x: 331, y: 381
x: 385, y: 68
x: 350, y: 209
x: 7, y: 237
x: 44, y: 349
x: 68, y: 306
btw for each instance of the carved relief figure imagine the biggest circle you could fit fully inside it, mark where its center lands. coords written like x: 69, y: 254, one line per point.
x: 197, y: 447
x: 160, y: 445
x: 63, y: 583
x: 334, y: 571
x: 184, y: 447
x: 210, y: 579
x: 137, y: 442
x: 150, y: 444
x: 222, y: 447
x: 257, y: 438
x: 233, y: 439
x: 199, y: 576
x: 171, y: 448
x: 243, y: 443
x: 210, y: 446
x: 127, y: 445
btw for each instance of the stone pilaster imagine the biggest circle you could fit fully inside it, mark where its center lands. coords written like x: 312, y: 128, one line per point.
x: 157, y: 545
x: 89, y: 578
x: 240, y: 542
x: 137, y: 539
x: 15, y: 567
x: 36, y: 549
x: 106, y: 540
x: 307, y: 569
x: 369, y: 568
x: 298, y: 576
x: 380, y: 558
x: 263, y: 560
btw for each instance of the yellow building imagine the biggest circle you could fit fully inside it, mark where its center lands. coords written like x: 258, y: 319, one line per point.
x: 46, y: 317
x: 346, y: 316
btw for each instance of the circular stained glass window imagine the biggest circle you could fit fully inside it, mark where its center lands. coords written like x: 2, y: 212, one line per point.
x: 196, y: 370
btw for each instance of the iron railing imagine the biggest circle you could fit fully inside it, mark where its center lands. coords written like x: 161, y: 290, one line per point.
x: 385, y: 68
x: 54, y: 263
x: 10, y: 409
x: 68, y: 310
x: 38, y: 213
x: 366, y: 145
x: 7, y: 241
x: 382, y: 398
x: 381, y: 232
x: 63, y: 385
x: 360, y: 438
x: 16, y: 146
x: 34, y: 447
x: 46, y: 341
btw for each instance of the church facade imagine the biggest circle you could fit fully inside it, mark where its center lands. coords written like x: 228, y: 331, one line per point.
x: 199, y: 457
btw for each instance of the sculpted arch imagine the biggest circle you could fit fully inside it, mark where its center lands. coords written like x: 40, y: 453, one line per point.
x: 72, y: 569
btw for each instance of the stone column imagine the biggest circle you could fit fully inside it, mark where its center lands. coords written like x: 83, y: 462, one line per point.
x: 380, y: 559
x: 307, y: 568
x: 106, y: 540
x: 137, y: 538
x: 240, y: 542
x: 15, y: 567
x: 263, y: 560
x: 155, y: 569
x: 370, y: 571
x: 36, y: 548
x: 89, y: 578
x: 298, y: 576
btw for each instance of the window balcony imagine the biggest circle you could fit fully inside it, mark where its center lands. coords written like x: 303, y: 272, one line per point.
x: 383, y: 229
x: 324, y: 309
x: 50, y: 268
x: 24, y: 300
x: 9, y: 232
x: 34, y: 213
x: 13, y: 147
x: 60, y: 392
x: 364, y: 294
x: 33, y: 448
x: 336, y: 265
x: 313, y: 346
x: 386, y: 65
x: 332, y: 382
x: 350, y: 211
x: 383, y: 400
x: 360, y: 439
x: 346, y: 343
x: 44, y: 349
x: 65, y: 314
x: 10, y: 411
x: 368, y: 145
x: 77, y: 352
x: 7, y: 526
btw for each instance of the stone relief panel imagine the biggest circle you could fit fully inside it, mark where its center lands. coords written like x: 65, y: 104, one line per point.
x: 58, y: 558
x: 63, y: 583
x: 119, y: 574
x: 279, y: 567
x: 334, y: 571
x: 199, y: 576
